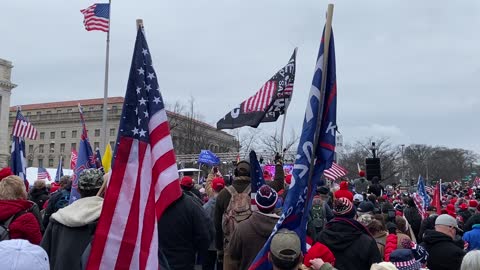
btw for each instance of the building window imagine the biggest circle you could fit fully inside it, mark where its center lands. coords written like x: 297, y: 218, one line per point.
x: 63, y: 162
x: 52, y: 147
x: 96, y: 145
x: 28, y: 113
x: 50, y: 162
x: 90, y: 108
x: 30, y: 162
x: 112, y: 145
x: 40, y: 162
x: 38, y: 113
x: 69, y: 110
x: 74, y: 146
x: 112, y: 132
x: 49, y: 112
x: 97, y: 132
x: 40, y: 149
x: 30, y: 148
x: 63, y: 134
x: 74, y: 133
x: 42, y: 135
x: 62, y: 148
x: 59, y: 111
x: 52, y: 135
x: 114, y: 109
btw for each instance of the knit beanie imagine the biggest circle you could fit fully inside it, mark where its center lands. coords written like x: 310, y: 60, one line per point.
x: 321, y: 251
x: 403, y: 259
x: 266, y: 198
x: 343, y: 207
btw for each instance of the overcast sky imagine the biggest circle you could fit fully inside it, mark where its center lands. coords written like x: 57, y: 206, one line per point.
x: 408, y: 70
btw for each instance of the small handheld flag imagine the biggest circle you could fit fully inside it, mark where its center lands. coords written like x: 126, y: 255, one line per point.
x: 23, y: 128
x: 97, y: 17
x: 42, y: 174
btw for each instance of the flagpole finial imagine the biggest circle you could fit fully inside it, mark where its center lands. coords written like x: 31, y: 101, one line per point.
x: 139, y: 23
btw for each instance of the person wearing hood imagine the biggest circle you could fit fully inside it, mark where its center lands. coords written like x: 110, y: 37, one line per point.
x: 210, y: 260
x: 412, y: 215
x: 39, y: 193
x: 250, y: 236
x: 15, y: 208
x: 343, y: 192
x: 71, y: 228
x: 361, y: 184
x: 376, y: 188
x: 444, y: 253
x: 351, y: 243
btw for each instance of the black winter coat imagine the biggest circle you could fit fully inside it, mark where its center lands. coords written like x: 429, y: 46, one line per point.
x: 475, y: 219
x: 444, y: 254
x: 414, y: 219
x: 39, y: 196
x: 353, y: 247
x: 376, y: 189
x: 183, y: 232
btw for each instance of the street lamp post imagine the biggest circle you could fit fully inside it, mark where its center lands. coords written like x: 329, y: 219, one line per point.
x: 403, y: 162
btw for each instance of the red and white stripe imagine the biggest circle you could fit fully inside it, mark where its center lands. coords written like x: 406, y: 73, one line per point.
x: 93, y: 22
x: 24, y: 129
x: 336, y: 171
x: 143, y: 184
x: 262, y: 99
x: 73, y: 159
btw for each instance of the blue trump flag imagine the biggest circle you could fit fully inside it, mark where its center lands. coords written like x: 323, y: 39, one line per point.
x: 315, y: 152
x: 85, y: 159
x: 17, y: 160
x: 256, y: 176
x: 208, y: 157
x: 59, y: 173
x: 423, y: 193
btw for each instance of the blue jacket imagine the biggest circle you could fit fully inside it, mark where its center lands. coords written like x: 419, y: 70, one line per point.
x: 473, y: 237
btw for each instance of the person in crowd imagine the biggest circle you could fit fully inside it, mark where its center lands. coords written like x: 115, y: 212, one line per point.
x: 58, y: 199
x: 410, y: 212
x: 361, y: 184
x: 241, y: 185
x: 214, y: 173
x: 343, y: 192
x: 320, y: 213
x: 464, y: 213
x: 394, y: 239
x: 376, y: 188
x: 250, y: 236
x: 383, y: 266
x: 71, y: 228
x: 285, y: 251
x: 404, y: 228
x: 357, y: 199
x: 403, y: 259
x: 471, y: 261
x: 472, y: 238
x: 444, y: 254
x: 19, y: 254
x: 474, y: 219
x: 183, y: 232
x: 319, y: 257
x: 472, y: 206
x: 16, y: 212
x: 188, y: 188
x: 210, y: 261
x: 365, y: 208
x: 377, y: 230
x: 427, y: 224
x: 351, y: 243
x: 39, y: 193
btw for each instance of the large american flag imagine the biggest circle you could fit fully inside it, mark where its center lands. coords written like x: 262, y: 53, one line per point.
x: 23, y: 128
x: 97, y: 17
x: 42, y: 174
x: 144, y: 181
x: 336, y: 171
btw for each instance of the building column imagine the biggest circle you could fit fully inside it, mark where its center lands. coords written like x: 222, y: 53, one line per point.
x: 6, y: 87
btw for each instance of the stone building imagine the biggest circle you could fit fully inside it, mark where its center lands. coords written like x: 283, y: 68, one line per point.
x: 58, y: 124
x: 6, y: 87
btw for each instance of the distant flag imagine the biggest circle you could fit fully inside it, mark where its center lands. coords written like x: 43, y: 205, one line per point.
x: 59, y: 173
x: 17, y: 160
x: 267, y: 104
x: 85, y: 158
x: 335, y: 172
x: 23, y: 128
x: 256, y: 176
x: 421, y: 197
x: 437, y: 199
x: 208, y: 157
x: 107, y: 158
x: 302, y: 189
x: 73, y: 159
x: 98, y: 159
x: 145, y: 179
x: 97, y: 17
x: 42, y: 174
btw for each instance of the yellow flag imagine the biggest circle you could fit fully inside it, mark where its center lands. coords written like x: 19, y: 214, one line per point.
x: 107, y: 158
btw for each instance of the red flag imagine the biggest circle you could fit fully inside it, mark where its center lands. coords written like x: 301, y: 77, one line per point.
x: 436, y: 199
x: 144, y: 180
x: 73, y: 159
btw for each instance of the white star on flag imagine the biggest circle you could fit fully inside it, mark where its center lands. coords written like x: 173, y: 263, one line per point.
x: 141, y: 71
x: 156, y: 100
x: 148, y: 87
x: 144, y: 51
x: 151, y: 76
x: 138, y: 90
x: 142, y: 101
x: 142, y: 133
x: 135, y: 131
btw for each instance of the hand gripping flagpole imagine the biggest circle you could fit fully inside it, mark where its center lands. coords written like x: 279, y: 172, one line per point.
x: 105, y: 87
x: 326, y: 47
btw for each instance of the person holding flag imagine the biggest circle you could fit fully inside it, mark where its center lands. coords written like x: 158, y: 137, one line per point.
x: 58, y: 175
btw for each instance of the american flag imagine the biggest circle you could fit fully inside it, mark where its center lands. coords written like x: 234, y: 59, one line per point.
x: 22, y: 128
x: 336, y: 171
x: 97, y: 17
x: 73, y: 159
x: 43, y: 174
x: 144, y: 181
x: 261, y: 100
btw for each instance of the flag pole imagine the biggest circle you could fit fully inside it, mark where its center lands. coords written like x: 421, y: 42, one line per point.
x: 280, y: 151
x: 321, y: 102
x: 105, y: 87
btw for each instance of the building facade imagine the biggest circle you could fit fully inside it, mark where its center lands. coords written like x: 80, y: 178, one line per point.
x: 6, y: 87
x: 59, y: 128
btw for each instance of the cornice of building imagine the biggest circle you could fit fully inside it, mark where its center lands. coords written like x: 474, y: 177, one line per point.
x: 8, y: 85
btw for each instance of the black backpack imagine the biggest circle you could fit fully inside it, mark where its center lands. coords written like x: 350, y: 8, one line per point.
x: 4, y: 226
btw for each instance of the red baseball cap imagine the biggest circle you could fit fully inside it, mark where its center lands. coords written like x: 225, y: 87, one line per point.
x: 218, y: 184
x: 187, y: 181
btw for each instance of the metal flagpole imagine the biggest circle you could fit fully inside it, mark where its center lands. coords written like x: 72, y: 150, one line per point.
x: 105, y: 88
x: 280, y: 151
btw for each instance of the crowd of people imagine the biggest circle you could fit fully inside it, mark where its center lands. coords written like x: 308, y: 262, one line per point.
x: 221, y: 224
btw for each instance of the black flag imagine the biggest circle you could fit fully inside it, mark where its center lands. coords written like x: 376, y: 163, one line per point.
x: 267, y: 104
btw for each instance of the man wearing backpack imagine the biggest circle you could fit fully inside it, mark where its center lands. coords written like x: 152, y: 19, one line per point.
x: 320, y: 213
x: 250, y: 236
x: 59, y: 199
x: 241, y: 188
